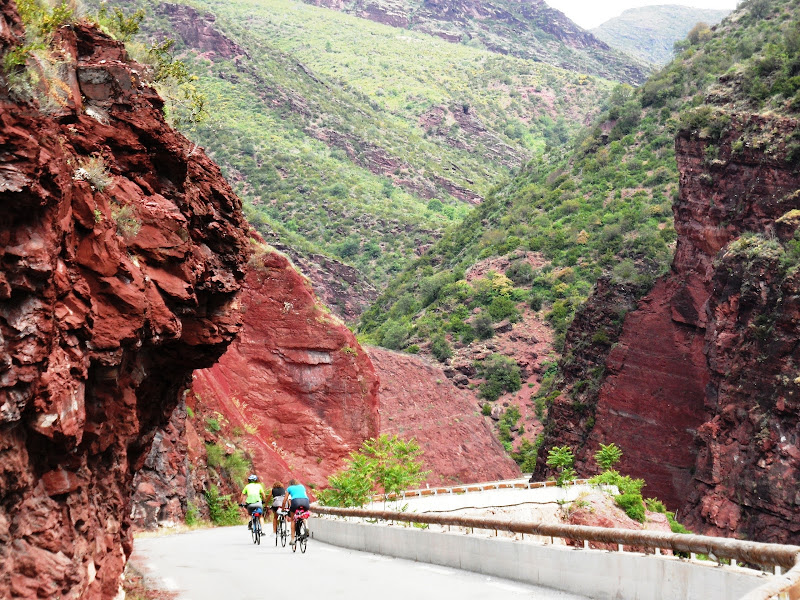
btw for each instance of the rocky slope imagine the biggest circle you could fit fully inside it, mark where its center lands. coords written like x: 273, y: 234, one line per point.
x: 295, y: 391
x: 417, y: 400
x: 528, y: 29
x: 701, y: 390
x: 123, y: 253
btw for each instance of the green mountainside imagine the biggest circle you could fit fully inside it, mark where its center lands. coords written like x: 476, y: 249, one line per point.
x: 650, y: 32
x: 530, y: 29
x: 358, y: 140
x: 604, y: 208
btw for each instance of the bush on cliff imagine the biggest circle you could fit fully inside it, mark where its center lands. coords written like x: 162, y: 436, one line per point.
x: 222, y: 509
x: 501, y: 375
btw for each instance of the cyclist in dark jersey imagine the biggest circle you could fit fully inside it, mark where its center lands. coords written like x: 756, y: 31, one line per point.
x: 296, y: 497
x: 278, y: 492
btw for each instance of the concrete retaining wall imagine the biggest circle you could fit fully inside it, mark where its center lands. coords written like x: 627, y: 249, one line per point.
x: 593, y: 573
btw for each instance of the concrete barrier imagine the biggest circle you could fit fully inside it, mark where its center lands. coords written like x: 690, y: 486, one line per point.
x: 592, y: 573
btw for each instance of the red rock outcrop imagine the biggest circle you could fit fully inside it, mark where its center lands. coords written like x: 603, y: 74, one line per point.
x: 122, y: 254
x: 701, y: 391
x: 295, y: 381
x: 417, y: 400
x: 198, y: 30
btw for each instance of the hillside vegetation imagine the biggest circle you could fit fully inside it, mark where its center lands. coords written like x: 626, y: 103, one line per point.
x: 649, y: 33
x: 358, y: 140
x: 604, y: 208
x: 529, y: 29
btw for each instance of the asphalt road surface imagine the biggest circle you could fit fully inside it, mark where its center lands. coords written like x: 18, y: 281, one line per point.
x: 223, y: 563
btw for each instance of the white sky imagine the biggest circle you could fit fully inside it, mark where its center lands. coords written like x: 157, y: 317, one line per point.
x: 591, y: 13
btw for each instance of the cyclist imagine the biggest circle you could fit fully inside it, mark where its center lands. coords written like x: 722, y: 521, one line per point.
x: 296, y: 497
x: 278, y: 492
x: 253, y: 497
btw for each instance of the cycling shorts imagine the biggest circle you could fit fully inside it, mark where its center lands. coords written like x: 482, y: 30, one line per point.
x: 299, y: 503
x: 252, y: 507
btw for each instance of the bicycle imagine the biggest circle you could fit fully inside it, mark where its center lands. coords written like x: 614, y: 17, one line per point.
x: 302, y: 534
x: 281, y: 532
x: 255, y: 524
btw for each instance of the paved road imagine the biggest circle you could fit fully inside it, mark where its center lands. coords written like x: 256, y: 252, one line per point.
x: 223, y: 563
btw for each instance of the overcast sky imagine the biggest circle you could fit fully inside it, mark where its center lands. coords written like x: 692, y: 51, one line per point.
x: 590, y: 13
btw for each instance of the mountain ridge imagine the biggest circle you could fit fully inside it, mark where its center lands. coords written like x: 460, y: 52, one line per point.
x: 649, y: 33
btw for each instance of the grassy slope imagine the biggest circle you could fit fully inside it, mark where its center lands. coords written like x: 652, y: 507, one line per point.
x: 605, y: 207
x: 314, y: 73
x: 649, y: 32
x: 531, y: 30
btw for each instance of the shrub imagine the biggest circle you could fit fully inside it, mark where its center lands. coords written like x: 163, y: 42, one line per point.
x: 222, y: 509
x: 395, y: 335
x: 501, y: 373
x: 213, y: 425
x: 192, y: 514
x: 503, y: 308
x: 520, y: 272
x: 486, y: 409
x: 214, y: 454
x: 655, y: 505
x: 632, y: 504
x: 125, y: 218
x: 93, y: 169
x: 440, y: 348
x: 482, y: 324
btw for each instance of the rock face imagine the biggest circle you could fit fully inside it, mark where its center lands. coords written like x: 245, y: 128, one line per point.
x: 529, y: 29
x: 198, y: 30
x: 701, y: 392
x: 417, y: 400
x: 295, y: 381
x: 122, y: 256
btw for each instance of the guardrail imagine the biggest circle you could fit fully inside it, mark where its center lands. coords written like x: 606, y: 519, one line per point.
x: 473, y: 487
x: 767, y: 556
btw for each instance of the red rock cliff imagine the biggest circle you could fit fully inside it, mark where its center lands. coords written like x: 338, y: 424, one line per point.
x: 296, y: 380
x: 701, y: 391
x: 114, y: 287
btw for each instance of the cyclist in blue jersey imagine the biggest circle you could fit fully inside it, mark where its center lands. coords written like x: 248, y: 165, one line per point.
x: 254, y: 496
x: 296, y: 497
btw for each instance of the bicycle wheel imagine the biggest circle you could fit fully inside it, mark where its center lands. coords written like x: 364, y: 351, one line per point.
x: 303, y: 539
x: 284, y: 532
x: 254, y: 530
x: 258, y: 532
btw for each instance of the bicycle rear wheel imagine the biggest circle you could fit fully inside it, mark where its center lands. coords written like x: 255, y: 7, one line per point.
x: 283, y: 532
x: 254, y: 530
x: 258, y: 528
x: 303, y: 539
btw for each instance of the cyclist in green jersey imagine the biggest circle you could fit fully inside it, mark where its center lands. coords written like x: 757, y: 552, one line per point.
x: 254, y: 496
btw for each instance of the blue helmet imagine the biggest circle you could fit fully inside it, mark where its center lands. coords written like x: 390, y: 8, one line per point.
x: 252, y: 478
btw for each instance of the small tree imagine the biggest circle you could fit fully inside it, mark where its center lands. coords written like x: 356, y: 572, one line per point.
x: 389, y: 464
x: 561, y: 459
x: 396, y: 463
x: 352, y: 486
x: 608, y: 456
